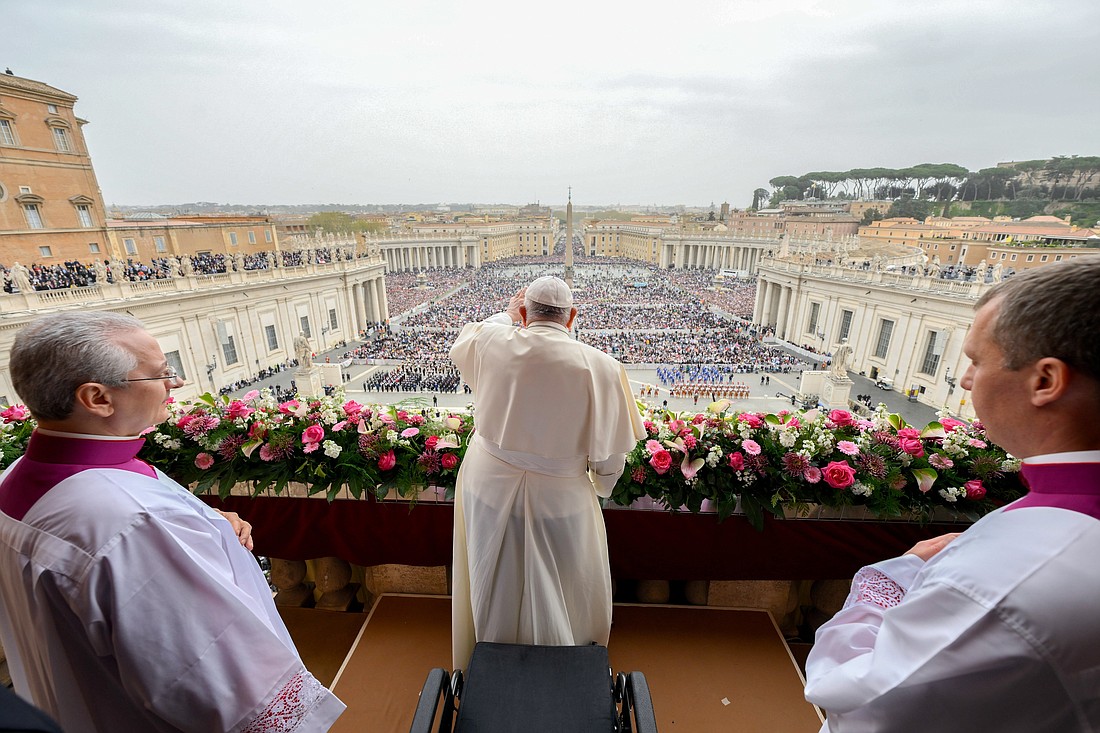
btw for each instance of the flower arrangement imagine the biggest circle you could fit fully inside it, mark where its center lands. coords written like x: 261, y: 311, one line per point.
x: 326, y: 442
x: 768, y: 462
x: 761, y: 463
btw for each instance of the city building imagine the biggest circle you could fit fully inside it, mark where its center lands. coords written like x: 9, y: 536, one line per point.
x: 51, y: 208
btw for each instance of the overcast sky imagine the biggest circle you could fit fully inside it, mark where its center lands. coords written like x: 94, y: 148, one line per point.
x: 685, y: 102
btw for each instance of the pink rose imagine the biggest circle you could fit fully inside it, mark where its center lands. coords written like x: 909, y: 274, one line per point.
x: 448, y: 460
x: 15, y: 413
x: 751, y: 447
x: 289, y: 407
x: 431, y: 442
x: 257, y: 431
x: 352, y: 409
x: 794, y: 423
x: 912, y: 446
x: 205, y: 461
x: 387, y: 460
x: 676, y: 426
x: 840, y: 418
x: 839, y: 475
x: 751, y: 419
x: 909, y: 433
x: 974, y: 489
x: 339, y: 426
x: 950, y: 424
x: 237, y: 409
x: 812, y: 474
x: 661, y: 461
x: 313, y: 434
x: 737, y: 461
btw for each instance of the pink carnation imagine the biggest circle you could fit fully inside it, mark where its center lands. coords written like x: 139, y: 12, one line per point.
x: 416, y: 420
x: 689, y: 441
x: 204, y: 460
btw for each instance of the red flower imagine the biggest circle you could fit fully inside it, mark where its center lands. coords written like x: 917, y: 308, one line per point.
x: 387, y: 460
x: 431, y: 442
x: 840, y: 418
x: 737, y: 461
x: 448, y: 460
x: 974, y: 489
x: 661, y: 461
x: 839, y: 475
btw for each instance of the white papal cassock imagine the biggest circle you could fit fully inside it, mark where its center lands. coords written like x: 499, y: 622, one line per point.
x: 555, y: 419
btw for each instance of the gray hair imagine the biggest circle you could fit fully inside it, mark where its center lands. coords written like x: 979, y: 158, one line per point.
x: 543, y: 312
x: 1051, y: 310
x: 55, y: 354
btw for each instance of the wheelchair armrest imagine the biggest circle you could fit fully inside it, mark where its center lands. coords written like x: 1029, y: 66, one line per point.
x: 644, y: 720
x: 437, y: 686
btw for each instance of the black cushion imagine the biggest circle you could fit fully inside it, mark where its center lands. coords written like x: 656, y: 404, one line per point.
x: 516, y: 687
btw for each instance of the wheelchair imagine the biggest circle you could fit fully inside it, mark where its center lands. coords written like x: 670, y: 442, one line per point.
x: 516, y: 687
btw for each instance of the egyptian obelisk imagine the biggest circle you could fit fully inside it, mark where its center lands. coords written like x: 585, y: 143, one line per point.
x: 569, y: 241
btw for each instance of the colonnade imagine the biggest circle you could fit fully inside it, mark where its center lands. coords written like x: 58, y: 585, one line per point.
x: 412, y: 255
x: 728, y: 255
x: 368, y: 302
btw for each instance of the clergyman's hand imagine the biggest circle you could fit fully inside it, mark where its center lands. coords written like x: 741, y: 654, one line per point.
x: 927, y: 549
x: 241, y: 528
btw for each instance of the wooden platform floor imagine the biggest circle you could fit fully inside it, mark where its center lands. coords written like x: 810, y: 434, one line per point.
x: 709, y: 669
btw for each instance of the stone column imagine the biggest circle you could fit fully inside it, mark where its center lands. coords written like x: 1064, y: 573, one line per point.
x: 288, y: 577
x: 781, y: 314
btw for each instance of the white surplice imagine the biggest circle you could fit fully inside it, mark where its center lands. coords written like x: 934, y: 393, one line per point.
x: 555, y: 419
x: 129, y: 605
x: 1000, y: 631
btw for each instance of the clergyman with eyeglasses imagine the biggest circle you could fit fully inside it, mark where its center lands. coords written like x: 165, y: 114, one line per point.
x: 125, y: 602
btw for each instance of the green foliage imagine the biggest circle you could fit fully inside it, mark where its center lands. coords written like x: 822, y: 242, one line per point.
x: 915, y: 208
x: 870, y: 215
x: 337, y: 222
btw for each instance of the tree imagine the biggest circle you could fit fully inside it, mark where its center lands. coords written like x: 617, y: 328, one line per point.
x: 910, y: 207
x: 338, y: 222
x: 871, y: 215
x: 759, y: 196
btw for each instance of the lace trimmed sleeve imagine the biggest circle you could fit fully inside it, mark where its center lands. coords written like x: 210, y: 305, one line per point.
x: 294, y: 704
x: 876, y: 588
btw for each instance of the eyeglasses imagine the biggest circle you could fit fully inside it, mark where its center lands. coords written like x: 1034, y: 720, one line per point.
x: 170, y: 375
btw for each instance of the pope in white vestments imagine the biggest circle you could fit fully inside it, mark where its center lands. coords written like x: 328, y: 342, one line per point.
x: 555, y: 419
